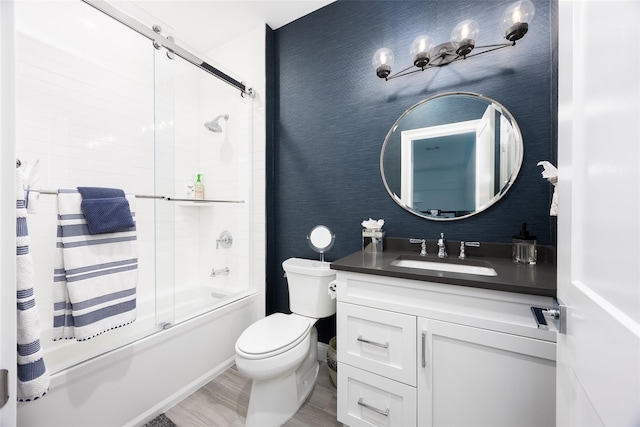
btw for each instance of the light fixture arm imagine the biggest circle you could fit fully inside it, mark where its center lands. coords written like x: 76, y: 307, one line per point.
x: 479, y: 50
x: 515, y: 22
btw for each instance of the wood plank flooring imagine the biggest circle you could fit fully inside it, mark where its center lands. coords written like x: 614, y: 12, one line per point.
x: 223, y: 403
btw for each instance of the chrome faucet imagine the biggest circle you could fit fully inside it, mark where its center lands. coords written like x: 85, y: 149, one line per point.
x: 442, y: 249
x: 423, y: 245
x: 463, y: 255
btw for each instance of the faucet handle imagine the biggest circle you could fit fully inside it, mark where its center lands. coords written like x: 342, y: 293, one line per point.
x: 423, y: 245
x: 442, y: 248
x: 463, y: 255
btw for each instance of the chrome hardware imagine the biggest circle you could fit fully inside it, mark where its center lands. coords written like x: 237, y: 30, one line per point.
x: 463, y: 255
x: 373, y: 408
x: 424, y: 349
x: 423, y: 245
x: 538, y: 314
x: 4, y: 387
x: 559, y: 313
x: 442, y: 249
x: 157, y: 28
x: 165, y: 325
x: 377, y: 344
x: 221, y: 272
x: 225, y: 240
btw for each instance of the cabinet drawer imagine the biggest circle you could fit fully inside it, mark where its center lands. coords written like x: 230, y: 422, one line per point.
x: 369, y: 400
x: 378, y: 341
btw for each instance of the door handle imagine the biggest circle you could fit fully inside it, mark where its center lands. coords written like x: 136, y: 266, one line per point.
x: 424, y: 349
x: 560, y: 320
x: 558, y: 314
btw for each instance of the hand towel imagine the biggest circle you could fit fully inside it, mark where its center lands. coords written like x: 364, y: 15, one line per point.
x: 106, y: 210
x: 95, y: 276
x: 33, y: 377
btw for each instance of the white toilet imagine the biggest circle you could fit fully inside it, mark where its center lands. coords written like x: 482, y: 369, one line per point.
x: 279, y: 352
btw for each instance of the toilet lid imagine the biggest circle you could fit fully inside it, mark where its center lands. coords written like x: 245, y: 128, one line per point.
x: 275, y: 332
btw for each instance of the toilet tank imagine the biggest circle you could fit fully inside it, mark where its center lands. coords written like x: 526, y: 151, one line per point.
x: 308, y: 282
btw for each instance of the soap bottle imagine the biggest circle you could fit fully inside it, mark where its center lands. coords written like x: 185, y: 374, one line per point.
x: 199, y: 188
x: 524, y: 247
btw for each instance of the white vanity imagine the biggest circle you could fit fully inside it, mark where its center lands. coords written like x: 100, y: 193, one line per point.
x: 436, y: 350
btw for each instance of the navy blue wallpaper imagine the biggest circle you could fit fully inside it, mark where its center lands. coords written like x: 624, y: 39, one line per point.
x: 332, y: 114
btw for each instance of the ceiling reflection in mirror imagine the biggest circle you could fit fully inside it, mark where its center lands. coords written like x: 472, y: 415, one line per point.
x: 451, y: 156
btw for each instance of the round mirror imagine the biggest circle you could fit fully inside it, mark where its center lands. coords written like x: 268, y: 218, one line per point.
x: 321, y: 239
x: 451, y: 156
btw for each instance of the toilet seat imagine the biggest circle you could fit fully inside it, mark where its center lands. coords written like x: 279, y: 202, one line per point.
x: 273, y: 335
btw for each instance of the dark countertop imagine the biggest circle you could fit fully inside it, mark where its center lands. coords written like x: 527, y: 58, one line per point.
x: 538, y: 279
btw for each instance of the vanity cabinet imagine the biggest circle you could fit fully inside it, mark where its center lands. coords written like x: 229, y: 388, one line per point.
x: 430, y: 354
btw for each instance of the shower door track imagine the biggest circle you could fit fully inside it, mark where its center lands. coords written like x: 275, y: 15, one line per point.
x: 168, y: 43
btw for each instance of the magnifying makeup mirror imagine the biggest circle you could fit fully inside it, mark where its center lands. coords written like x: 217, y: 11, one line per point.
x: 321, y: 239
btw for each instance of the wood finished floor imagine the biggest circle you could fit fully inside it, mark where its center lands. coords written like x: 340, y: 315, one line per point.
x: 223, y: 403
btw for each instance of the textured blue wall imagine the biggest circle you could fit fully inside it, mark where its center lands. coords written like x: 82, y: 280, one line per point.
x: 332, y: 114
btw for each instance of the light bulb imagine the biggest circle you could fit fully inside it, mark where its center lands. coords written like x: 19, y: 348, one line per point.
x: 463, y: 36
x: 516, y: 19
x: 420, y: 49
x: 382, y: 62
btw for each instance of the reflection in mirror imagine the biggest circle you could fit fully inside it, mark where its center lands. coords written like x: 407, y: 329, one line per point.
x: 321, y: 239
x: 451, y: 156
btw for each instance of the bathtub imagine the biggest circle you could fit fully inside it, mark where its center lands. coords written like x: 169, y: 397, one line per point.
x: 133, y: 383
x: 172, y: 309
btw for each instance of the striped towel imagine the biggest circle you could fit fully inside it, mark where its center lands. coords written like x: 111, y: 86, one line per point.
x: 33, y: 377
x: 95, y: 276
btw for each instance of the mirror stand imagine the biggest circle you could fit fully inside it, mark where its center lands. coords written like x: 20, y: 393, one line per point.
x: 321, y: 239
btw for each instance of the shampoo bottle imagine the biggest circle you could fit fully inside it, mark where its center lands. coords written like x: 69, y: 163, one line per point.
x: 199, y: 188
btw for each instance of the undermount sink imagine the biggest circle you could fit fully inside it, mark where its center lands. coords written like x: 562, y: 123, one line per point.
x: 481, y: 268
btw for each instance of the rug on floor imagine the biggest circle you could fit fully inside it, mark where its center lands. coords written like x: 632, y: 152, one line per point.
x: 161, y: 421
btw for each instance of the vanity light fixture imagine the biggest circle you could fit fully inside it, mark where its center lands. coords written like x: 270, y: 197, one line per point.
x: 426, y: 54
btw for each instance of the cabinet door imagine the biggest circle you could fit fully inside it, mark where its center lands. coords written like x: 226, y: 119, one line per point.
x: 476, y: 377
x: 379, y: 341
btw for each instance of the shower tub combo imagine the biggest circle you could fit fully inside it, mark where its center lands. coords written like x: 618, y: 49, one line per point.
x: 107, y: 102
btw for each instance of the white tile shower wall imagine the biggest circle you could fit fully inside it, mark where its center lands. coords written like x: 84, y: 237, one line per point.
x: 247, y: 54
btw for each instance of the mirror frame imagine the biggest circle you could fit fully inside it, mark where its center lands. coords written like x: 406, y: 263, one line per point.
x: 496, y: 197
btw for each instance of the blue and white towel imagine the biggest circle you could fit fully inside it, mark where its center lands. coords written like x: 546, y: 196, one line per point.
x: 33, y: 377
x: 95, y: 275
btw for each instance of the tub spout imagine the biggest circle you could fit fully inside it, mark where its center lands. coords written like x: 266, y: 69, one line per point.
x: 221, y: 272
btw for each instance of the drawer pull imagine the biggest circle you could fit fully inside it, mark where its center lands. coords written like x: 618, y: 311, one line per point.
x: 374, y: 409
x: 377, y: 344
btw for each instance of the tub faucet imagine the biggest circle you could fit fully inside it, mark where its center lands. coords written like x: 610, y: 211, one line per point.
x: 442, y: 249
x: 423, y: 245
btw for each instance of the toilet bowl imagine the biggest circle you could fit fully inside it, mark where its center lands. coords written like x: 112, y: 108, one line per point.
x: 279, y: 352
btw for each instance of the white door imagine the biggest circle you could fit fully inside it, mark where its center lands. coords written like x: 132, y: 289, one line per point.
x: 598, y: 375
x: 7, y: 214
x: 485, y: 157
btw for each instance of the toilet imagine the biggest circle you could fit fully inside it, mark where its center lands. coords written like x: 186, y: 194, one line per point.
x: 279, y: 352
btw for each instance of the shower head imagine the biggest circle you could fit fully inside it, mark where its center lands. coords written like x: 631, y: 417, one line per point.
x: 214, y: 126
